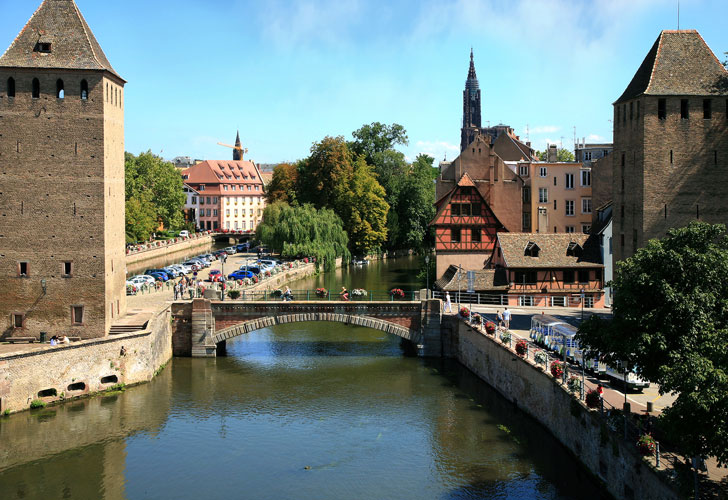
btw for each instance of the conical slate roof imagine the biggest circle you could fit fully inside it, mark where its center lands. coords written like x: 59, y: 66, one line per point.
x: 472, y: 82
x: 73, y: 45
x: 679, y: 63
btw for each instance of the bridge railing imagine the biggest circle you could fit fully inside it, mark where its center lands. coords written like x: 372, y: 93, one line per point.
x: 472, y: 298
x: 318, y: 295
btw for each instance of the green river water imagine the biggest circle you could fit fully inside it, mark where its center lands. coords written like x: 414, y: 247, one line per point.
x: 301, y: 411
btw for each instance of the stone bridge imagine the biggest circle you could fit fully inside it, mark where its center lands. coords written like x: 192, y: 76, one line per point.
x: 200, y: 328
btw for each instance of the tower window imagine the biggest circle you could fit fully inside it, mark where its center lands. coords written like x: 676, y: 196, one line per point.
x: 662, y: 109
x: 707, y: 109
x: 715, y: 157
x: 672, y: 157
x: 45, y: 48
x: 77, y: 315
x: 84, y: 90
x: 684, y: 109
x: 22, y: 269
x: 11, y: 87
x: 18, y: 320
x: 60, y: 93
x: 67, y: 268
x: 36, y: 88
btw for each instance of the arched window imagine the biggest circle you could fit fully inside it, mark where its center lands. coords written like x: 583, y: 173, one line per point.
x: 60, y: 92
x: 84, y: 90
x: 11, y: 87
x: 36, y: 88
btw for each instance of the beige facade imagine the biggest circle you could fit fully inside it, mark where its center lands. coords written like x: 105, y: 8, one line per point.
x: 242, y: 213
x: 62, y: 263
x: 559, y: 197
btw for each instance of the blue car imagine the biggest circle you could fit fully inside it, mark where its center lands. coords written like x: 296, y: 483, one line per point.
x: 239, y: 275
x: 158, y: 276
x: 251, y: 269
x: 151, y: 272
x: 242, y: 247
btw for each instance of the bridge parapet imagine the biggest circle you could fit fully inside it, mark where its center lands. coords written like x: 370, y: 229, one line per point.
x: 214, y: 322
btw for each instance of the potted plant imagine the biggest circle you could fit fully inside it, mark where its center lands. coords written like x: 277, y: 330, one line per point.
x: 359, y: 292
x: 322, y: 292
x: 506, y: 337
x: 540, y: 357
x: 521, y: 347
x: 234, y: 294
x: 464, y: 312
x: 397, y: 293
x: 573, y: 384
x: 592, y: 399
x: 646, y: 445
x: 490, y: 328
x: 557, y: 369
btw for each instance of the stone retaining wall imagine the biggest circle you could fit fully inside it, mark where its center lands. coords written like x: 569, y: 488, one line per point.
x: 98, y: 364
x: 170, y: 250
x: 624, y: 473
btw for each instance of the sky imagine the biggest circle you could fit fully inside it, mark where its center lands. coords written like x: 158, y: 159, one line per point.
x: 288, y: 73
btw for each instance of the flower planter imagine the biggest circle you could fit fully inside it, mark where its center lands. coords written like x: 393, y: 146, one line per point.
x: 490, y: 328
x: 521, y: 348
x: 557, y: 369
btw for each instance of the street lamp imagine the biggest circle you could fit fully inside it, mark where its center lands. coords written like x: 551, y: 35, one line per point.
x: 427, y: 273
x: 44, y: 286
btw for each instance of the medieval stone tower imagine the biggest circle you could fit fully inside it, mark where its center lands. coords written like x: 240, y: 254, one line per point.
x: 62, y: 257
x: 670, y: 156
x: 471, y: 108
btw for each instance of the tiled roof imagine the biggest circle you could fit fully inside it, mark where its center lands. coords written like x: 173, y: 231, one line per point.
x: 214, y: 173
x: 466, y: 181
x: 679, y: 63
x: 552, y: 252
x: 73, y: 45
x: 486, y: 280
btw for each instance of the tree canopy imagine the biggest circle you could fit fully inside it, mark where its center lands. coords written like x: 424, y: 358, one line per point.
x: 282, y: 186
x: 367, y: 210
x: 154, y: 195
x: 562, y: 154
x: 671, y: 323
x: 304, y: 231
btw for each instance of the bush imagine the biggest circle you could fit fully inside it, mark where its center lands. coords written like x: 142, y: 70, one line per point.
x: 37, y: 403
x: 592, y: 398
x: 557, y: 369
x: 521, y: 347
x: 234, y: 294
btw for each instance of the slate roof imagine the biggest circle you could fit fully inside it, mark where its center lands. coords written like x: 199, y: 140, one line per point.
x: 511, y: 149
x: 486, y: 280
x: 73, y: 45
x: 553, y: 250
x: 679, y: 63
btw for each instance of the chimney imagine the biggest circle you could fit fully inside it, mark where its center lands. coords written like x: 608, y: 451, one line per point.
x: 553, y: 155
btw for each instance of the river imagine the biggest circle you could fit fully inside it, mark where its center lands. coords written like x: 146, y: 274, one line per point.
x: 313, y: 410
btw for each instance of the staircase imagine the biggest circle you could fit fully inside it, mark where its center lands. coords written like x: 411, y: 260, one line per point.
x: 127, y: 328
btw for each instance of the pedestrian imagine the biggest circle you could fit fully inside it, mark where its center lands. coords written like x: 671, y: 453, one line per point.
x: 600, y: 391
x: 448, y: 304
x: 176, y: 290
x: 190, y: 292
x: 344, y: 293
x: 499, y: 319
x: 507, y: 318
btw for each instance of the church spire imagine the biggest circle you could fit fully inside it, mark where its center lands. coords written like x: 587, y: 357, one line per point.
x: 471, y: 107
x: 471, y: 71
x: 238, y: 151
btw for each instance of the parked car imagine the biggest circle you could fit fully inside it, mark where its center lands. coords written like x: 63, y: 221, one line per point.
x: 242, y: 247
x: 181, y: 269
x: 171, y: 271
x: 240, y: 275
x: 270, y: 263
x: 215, y: 276
x: 193, y: 265
x: 160, y: 276
x: 252, y: 269
x: 142, y: 279
x: 201, y: 261
x: 151, y: 272
x: 184, y: 234
x: 209, y: 257
x: 219, y: 253
x: 230, y: 250
x: 261, y: 250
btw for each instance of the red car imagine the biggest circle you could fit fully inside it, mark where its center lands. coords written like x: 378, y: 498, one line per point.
x: 216, y: 276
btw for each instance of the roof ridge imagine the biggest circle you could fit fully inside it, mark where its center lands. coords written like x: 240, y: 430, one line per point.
x: 655, y: 62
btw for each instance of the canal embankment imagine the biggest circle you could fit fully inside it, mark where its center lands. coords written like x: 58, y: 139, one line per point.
x: 615, y: 462
x: 160, y: 253
x: 79, y: 369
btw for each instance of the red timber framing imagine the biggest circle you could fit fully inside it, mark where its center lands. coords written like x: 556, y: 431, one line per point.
x: 464, y: 222
x: 555, y: 280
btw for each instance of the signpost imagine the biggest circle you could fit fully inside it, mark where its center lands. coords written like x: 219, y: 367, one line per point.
x: 471, y: 289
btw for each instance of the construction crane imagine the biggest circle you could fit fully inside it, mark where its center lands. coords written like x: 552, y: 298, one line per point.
x: 243, y: 151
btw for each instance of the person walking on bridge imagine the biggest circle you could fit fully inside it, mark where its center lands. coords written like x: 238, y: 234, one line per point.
x: 448, y: 304
x: 507, y: 318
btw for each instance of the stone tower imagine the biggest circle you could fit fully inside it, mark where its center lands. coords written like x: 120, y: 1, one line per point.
x: 670, y: 161
x: 62, y: 257
x: 238, y: 151
x: 471, y: 107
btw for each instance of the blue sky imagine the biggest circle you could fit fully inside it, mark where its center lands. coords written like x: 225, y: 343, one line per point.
x: 288, y: 73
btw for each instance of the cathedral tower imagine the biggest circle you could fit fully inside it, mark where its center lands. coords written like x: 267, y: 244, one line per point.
x: 238, y: 151
x: 471, y: 107
x: 62, y: 257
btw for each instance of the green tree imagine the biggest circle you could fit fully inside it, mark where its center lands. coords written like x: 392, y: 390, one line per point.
x: 366, y: 210
x: 324, y: 178
x: 377, y: 138
x: 157, y: 185
x: 282, y: 186
x: 671, y: 323
x: 304, y: 231
x: 141, y: 219
x: 415, y: 208
x: 561, y: 155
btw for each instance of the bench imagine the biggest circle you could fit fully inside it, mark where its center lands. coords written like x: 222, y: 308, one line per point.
x: 20, y: 340
x: 74, y: 339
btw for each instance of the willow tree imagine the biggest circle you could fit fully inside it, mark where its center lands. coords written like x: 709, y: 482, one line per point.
x: 303, y: 231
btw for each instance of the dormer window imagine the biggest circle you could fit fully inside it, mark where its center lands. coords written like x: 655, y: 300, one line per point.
x: 574, y: 249
x: 42, y: 47
x: 531, y: 250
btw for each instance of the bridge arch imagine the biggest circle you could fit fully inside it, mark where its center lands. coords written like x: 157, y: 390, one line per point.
x: 347, y: 319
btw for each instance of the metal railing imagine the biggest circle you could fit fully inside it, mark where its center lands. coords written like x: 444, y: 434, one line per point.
x: 472, y: 298
x: 314, y: 295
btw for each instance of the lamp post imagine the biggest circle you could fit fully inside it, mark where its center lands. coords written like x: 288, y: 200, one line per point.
x: 427, y: 273
x: 583, y: 299
x: 222, y: 277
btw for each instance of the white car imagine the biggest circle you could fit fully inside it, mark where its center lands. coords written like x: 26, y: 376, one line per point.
x: 141, y: 280
x: 179, y: 268
x: 184, y: 234
x: 193, y: 265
